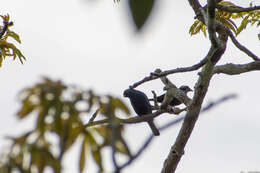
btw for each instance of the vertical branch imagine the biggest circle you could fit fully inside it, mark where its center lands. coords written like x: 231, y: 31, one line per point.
x: 211, y: 22
x: 177, y: 150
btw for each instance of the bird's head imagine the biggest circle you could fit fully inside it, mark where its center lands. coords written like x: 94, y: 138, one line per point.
x: 185, y: 89
x: 128, y: 92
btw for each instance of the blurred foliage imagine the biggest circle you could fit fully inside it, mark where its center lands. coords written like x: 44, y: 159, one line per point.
x: 229, y: 20
x: 8, y: 49
x: 140, y: 11
x: 60, y: 111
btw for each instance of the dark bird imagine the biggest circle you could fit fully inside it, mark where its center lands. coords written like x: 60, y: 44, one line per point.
x: 174, y: 101
x: 141, y: 105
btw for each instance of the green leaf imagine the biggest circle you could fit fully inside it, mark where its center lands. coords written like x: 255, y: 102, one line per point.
x: 14, y: 36
x: 193, y: 26
x: 82, y: 163
x: 27, y: 108
x: 242, y: 25
x: 140, y: 10
x: 122, y: 147
x: 228, y: 23
x: 204, y: 30
x: 227, y: 3
x: 118, y: 104
x: 97, y: 157
x: 1, y: 60
x: 95, y: 150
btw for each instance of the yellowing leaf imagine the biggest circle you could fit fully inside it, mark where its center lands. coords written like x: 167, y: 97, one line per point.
x: 122, y: 147
x: 82, y: 163
x: 1, y: 60
x: 243, y: 25
x: 14, y: 36
x: 27, y: 108
x: 97, y: 157
x: 118, y: 104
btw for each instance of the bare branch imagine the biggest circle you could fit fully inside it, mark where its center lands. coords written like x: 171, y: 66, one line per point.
x: 237, y: 9
x: 234, y: 69
x: 168, y: 72
x: 211, y: 23
x: 242, y: 48
x: 197, y: 8
x: 139, y: 152
x: 133, y: 120
x: 172, y: 123
x: 193, y: 110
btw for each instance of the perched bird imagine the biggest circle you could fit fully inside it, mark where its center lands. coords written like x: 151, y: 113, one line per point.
x: 174, y: 101
x: 141, y: 105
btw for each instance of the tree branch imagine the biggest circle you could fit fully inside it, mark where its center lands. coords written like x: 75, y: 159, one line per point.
x: 197, y: 8
x: 133, y: 120
x: 193, y: 112
x: 235, y: 69
x: 172, y: 123
x: 237, y: 9
x: 211, y: 23
x: 241, y: 47
x: 154, y: 76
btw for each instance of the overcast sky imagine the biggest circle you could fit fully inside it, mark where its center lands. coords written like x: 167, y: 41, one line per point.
x: 91, y: 43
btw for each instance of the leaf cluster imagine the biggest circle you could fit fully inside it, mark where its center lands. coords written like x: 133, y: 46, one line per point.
x: 8, y: 49
x: 60, y: 111
x: 229, y: 20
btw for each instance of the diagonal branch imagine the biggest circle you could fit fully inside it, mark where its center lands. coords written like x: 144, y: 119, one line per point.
x: 168, y: 72
x: 132, y: 120
x: 237, y: 9
x: 241, y: 47
x: 172, y: 123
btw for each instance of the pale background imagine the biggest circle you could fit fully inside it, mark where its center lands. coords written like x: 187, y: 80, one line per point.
x: 92, y: 44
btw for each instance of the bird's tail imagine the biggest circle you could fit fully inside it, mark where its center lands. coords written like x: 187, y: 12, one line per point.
x: 154, y: 128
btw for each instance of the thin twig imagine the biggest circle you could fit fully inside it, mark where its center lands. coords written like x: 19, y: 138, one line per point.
x: 168, y: 72
x: 241, y: 47
x: 138, y: 153
x: 93, y: 116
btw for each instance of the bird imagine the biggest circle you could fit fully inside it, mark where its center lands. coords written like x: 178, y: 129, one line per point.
x: 141, y: 105
x: 175, y: 101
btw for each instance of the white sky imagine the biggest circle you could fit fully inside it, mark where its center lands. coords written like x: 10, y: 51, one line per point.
x: 93, y: 45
